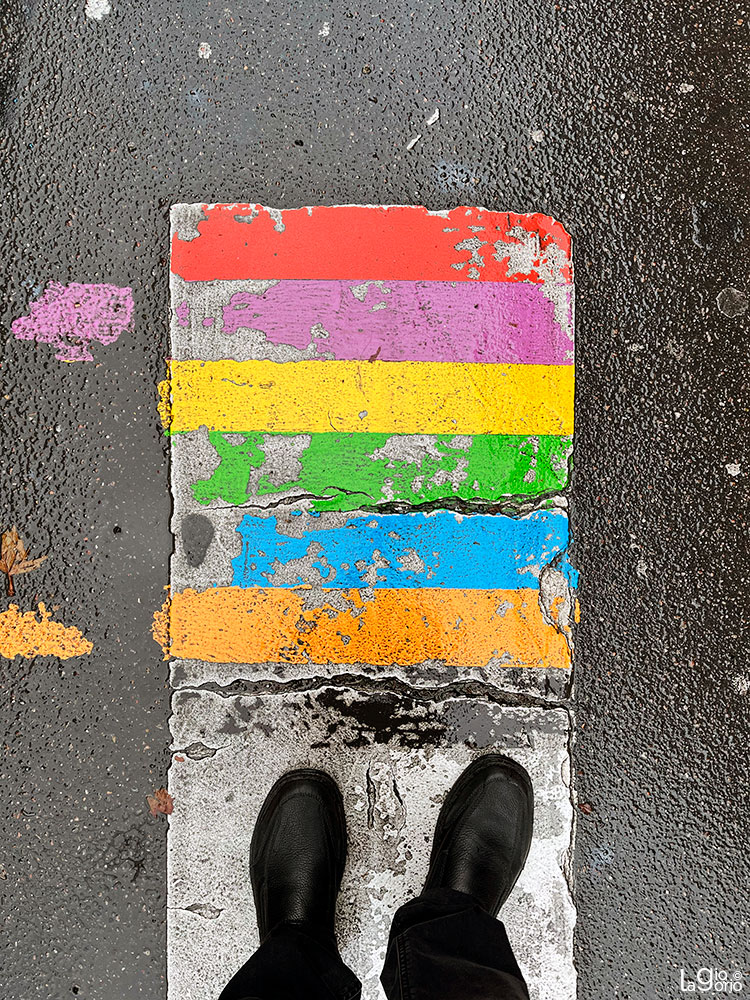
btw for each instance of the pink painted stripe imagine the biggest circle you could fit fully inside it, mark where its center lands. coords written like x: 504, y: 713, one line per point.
x: 409, y: 320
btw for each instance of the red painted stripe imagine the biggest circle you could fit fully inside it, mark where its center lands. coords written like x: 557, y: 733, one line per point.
x: 360, y: 242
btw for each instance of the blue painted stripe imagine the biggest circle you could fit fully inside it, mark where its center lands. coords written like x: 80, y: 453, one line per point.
x: 443, y: 549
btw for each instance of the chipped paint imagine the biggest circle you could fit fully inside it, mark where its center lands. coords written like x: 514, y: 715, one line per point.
x: 25, y: 634
x: 473, y: 629
x: 426, y: 358
x: 349, y: 471
x: 182, y: 312
x: 71, y: 317
x: 399, y: 242
x: 444, y: 544
x: 557, y: 599
x: 399, y: 320
x: 395, y: 759
x: 185, y: 220
x: 234, y: 309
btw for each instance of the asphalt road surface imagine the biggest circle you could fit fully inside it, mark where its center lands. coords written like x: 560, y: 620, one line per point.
x: 624, y: 122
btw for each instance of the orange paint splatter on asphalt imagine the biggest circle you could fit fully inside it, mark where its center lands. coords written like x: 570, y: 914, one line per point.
x: 160, y: 628
x: 23, y: 634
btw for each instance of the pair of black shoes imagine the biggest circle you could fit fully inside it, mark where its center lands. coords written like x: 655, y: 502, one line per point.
x: 298, y: 851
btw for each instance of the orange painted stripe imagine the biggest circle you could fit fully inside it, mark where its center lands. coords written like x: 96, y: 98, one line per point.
x: 466, y: 628
x: 355, y: 242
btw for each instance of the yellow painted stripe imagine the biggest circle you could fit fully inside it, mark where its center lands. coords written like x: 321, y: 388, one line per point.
x: 467, y: 628
x: 393, y: 397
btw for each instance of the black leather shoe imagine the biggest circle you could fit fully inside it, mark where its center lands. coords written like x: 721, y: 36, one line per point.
x: 298, y: 852
x: 483, y: 832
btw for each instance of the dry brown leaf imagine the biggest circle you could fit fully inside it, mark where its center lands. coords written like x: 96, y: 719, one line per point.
x: 161, y: 802
x: 13, y: 558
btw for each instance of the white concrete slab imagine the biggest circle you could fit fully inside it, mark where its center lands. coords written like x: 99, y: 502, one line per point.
x: 205, y: 325
x: 395, y: 758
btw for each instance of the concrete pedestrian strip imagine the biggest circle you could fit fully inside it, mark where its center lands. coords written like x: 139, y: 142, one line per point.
x: 394, y: 758
x: 370, y: 570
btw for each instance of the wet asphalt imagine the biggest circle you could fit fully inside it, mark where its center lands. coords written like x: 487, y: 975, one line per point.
x: 625, y: 122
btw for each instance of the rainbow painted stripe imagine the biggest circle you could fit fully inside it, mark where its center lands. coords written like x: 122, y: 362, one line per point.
x: 387, y: 397
x: 457, y: 627
x: 440, y: 549
x: 489, y: 322
x: 342, y: 358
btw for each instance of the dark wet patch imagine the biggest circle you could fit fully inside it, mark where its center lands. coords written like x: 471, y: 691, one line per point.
x: 229, y: 727
x: 196, y: 533
x: 383, y: 717
x: 480, y: 725
x: 716, y: 225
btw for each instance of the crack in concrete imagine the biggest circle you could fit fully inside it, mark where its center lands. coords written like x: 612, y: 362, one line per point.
x: 205, y: 910
x: 397, y: 793
x: 511, y: 506
x: 288, y: 500
x: 516, y: 505
x: 557, y: 600
x: 198, y: 751
x: 567, y: 866
x: 470, y: 689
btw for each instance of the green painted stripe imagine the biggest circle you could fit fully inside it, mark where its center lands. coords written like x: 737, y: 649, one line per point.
x: 348, y: 471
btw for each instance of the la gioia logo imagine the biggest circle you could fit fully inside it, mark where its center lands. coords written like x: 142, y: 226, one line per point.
x: 711, y: 981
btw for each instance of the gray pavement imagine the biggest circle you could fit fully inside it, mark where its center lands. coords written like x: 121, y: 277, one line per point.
x: 394, y: 759
x: 625, y: 123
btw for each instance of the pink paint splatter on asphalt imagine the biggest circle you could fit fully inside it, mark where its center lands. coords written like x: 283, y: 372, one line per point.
x: 71, y: 316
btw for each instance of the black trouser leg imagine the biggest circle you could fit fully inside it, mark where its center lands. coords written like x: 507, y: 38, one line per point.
x: 444, y: 946
x: 294, y: 962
